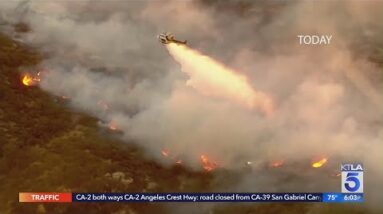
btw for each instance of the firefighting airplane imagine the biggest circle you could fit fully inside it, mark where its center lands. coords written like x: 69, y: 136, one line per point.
x: 166, y: 38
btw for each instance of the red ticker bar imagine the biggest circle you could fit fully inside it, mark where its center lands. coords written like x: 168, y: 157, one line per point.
x: 45, y: 197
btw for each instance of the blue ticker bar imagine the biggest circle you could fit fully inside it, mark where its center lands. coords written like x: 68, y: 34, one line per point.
x: 336, y: 197
x: 216, y: 197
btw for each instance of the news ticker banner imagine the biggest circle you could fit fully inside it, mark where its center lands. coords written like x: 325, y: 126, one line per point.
x: 46, y: 197
x: 351, y: 187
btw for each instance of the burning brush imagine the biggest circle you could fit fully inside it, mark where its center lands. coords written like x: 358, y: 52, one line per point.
x: 29, y: 79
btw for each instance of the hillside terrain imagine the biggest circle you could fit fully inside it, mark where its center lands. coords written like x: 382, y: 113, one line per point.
x: 46, y: 146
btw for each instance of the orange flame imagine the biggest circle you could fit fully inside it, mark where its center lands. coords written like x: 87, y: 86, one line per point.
x: 29, y: 80
x: 319, y: 163
x: 165, y: 152
x: 207, y: 164
x: 336, y: 174
x: 211, y: 78
x: 277, y: 163
x: 112, y: 126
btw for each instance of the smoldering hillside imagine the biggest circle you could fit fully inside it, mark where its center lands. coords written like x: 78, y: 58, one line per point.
x: 327, y: 98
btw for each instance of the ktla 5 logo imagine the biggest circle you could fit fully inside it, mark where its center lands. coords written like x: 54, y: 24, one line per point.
x: 352, y: 178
